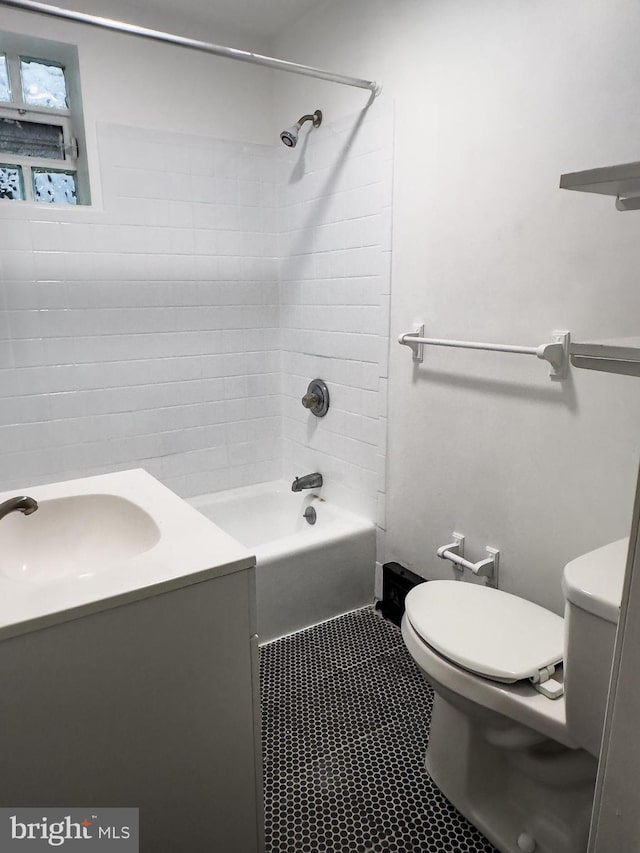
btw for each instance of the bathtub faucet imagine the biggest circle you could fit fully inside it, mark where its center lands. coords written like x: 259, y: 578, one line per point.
x: 309, y: 481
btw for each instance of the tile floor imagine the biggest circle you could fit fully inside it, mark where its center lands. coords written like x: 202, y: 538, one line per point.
x: 345, y: 725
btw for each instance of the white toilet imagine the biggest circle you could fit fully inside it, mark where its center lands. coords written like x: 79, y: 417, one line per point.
x: 519, y: 765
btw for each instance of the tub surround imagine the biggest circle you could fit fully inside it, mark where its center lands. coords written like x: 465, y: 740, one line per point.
x: 175, y: 547
x: 177, y: 328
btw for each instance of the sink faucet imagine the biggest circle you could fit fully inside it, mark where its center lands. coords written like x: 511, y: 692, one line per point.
x: 21, y: 504
x: 309, y: 481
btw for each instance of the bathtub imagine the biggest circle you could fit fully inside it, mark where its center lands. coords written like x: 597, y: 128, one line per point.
x: 305, y: 573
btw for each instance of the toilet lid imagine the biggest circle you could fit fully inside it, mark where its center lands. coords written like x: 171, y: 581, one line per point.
x: 485, y: 630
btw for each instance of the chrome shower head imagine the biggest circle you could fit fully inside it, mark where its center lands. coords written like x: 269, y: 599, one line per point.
x: 290, y: 135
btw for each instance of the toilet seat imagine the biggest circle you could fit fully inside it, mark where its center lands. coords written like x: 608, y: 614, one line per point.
x: 487, y: 631
x: 518, y: 701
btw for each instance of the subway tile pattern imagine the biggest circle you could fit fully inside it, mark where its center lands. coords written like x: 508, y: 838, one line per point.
x: 345, y: 724
x: 335, y: 240
x: 147, y: 332
x: 176, y: 326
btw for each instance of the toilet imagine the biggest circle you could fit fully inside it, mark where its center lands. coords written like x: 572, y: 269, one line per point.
x: 519, y: 700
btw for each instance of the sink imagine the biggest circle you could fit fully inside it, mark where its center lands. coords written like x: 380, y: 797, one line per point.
x: 99, y: 542
x: 77, y: 535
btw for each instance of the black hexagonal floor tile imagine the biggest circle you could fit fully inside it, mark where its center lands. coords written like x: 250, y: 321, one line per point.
x: 345, y: 724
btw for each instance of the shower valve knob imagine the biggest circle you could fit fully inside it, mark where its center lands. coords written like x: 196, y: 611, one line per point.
x: 310, y: 400
x: 317, y: 398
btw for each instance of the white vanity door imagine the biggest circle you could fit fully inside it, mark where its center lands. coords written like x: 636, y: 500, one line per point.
x: 152, y: 705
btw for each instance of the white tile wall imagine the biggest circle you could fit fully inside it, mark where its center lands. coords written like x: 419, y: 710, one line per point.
x: 177, y: 328
x: 145, y: 333
x: 335, y: 240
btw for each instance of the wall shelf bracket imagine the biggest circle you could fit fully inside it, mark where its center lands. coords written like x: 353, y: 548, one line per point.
x: 628, y: 202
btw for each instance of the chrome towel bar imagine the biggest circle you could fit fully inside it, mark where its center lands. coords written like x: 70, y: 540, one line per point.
x: 556, y: 353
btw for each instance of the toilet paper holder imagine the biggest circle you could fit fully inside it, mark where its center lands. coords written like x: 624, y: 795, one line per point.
x: 487, y: 568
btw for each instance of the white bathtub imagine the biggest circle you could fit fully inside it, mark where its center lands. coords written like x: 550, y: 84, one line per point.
x: 305, y: 573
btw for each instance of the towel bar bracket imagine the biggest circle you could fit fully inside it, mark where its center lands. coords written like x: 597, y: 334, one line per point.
x: 416, y: 348
x: 557, y: 354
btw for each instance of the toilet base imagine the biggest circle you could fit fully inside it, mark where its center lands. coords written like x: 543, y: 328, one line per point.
x: 540, y: 792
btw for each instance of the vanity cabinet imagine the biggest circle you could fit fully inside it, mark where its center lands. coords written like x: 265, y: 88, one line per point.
x: 152, y: 704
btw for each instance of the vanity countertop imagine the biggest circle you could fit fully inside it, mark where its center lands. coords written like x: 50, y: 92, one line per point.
x: 100, y: 542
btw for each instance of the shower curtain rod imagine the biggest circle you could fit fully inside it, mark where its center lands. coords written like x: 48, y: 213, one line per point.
x: 193, y: 44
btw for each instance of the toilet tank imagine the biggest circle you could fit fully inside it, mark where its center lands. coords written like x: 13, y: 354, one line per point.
x: 592, y: 587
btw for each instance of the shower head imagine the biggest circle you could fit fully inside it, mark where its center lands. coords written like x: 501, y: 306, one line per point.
x: 290, y: 135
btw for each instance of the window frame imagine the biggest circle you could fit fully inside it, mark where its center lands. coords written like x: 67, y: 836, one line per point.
x: 14, y: 47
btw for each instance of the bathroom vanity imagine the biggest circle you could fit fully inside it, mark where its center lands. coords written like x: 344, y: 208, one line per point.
x: 128, y: 660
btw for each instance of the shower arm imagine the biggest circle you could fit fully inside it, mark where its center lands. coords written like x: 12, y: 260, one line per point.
x: 192, y: 44
x: 312, y: 117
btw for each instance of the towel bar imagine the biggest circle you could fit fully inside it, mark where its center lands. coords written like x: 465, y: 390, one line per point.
x: 556, y: 353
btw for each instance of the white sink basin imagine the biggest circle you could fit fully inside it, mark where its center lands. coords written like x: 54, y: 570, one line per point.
x: 102, y: 542
x: 76, y: 535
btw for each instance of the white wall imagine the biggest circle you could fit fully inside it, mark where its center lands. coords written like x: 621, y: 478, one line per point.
x: 493, y: 101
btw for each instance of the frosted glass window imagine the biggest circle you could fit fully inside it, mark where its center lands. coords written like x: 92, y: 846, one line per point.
x: 54, y: 187
x: 5, y: 88
x: 43, y: 84
x: 31, y: 139
x: 42, y: 144
x: 11, y: 182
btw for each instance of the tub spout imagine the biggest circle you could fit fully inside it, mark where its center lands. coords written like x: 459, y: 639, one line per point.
x: 309, y: 481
